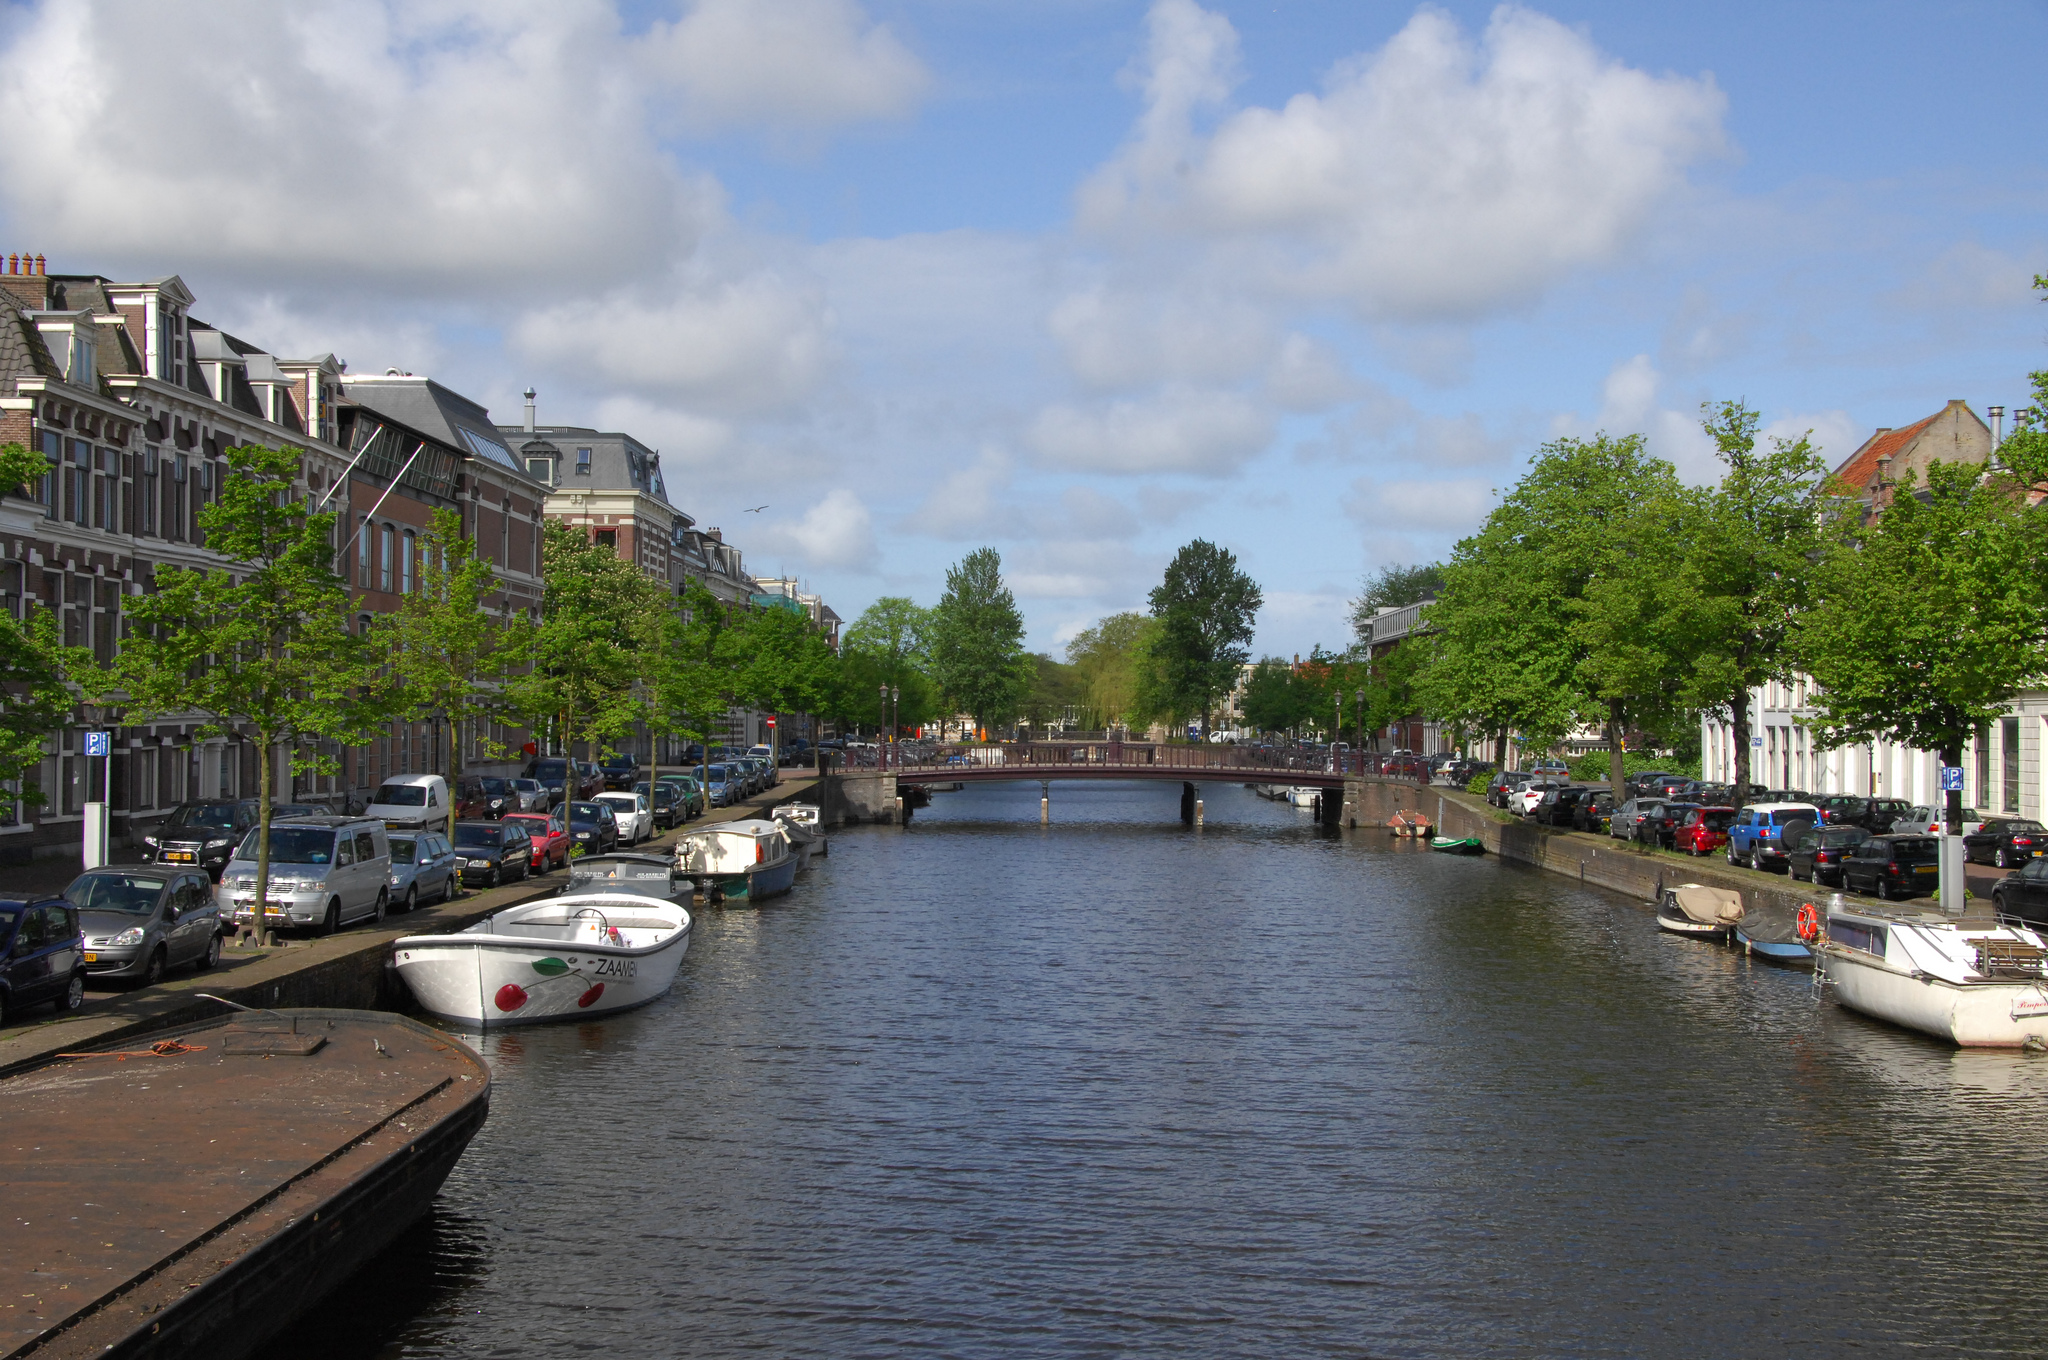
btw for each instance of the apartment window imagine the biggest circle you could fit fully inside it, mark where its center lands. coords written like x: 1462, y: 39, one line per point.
x: 364, y: 531
x: 2009, y: 762
x: 405, y: 564
x: 608, y: 539
x: 152, y: 491
x: 384, y: 558
x: 174, y: 522
x: 505, y: 538
x: 46, y: 490
x: 583, y: 461
x: 542, y: 469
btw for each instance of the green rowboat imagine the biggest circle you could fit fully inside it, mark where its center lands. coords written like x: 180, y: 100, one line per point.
x: 1459, y: 845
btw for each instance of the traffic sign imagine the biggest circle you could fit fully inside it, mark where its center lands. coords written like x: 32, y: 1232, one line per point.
x: 771, y: 722
x: 96, y: 743
x: 1951, y: 779
x: 1756, y: 741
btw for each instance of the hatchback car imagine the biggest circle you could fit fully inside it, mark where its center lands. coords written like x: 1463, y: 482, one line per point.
x: 1500, y: 786
x: 2007, y: 842
x: 532, y: 797
x: 666, y: 800
x: 201, y: 835
x: 139, y: 923
x: 692, y: 793
x: 1554, y: 808
x: 593, y: 828
x: 1925, y: 820
x: 2023, y: 895
x: 42, y: 961
x: 1893, y: 867
x: 491, y: 853
x: 1524, y: 799
x: 484, y: 797
x: 549, y: 832
x: 1660, y: 828
x: 1629, y: 817
x: 1817, y: 853
x: 620, y: 772
x: 1594, y: 813
x: 422, y: 868
x: 720, y: 786
x: 1703, y: 830
x: 553, y: 774
x: 635, y: 815
x: 324, y: 872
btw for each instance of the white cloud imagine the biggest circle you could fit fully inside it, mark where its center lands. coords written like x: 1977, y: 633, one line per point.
x: 1116, y: 338
x: 1308, y: 375
x: 1181, y: 429
x: 837, y: 532
x: 967, y: 500
x: 783, y: 64
x: 1436, y: 178
x: 1454, y: 506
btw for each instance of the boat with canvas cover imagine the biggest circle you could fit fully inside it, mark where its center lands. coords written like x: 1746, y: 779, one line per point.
x: 738, y: 862
x: 1695, y: 909
x: 1975, y: 986
x: 561, y: 958
x: 1772, y: 941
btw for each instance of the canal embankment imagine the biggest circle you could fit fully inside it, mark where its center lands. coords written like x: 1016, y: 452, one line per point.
x: 348, y: 970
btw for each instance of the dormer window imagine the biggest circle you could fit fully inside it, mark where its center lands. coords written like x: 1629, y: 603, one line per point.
x: 583, y: 462
x: 542, y: 470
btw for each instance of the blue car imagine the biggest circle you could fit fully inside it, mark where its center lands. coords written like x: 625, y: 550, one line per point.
x: 1759, y: 835
x: 723, y: 788
x: 42, y: 957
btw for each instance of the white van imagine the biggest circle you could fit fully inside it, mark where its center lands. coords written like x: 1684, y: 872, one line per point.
x: 410, y: 800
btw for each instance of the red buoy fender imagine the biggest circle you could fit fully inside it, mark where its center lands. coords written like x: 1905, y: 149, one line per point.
x: 1809, y: 922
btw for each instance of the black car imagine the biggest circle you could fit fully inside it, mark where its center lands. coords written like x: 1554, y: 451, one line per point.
x: 202, y: 834
x: 1594, y: 813
x: 1660, y: 828
x: 1892, y: 867
x: 42, y: 956
x: 2007, y: 842
x: 667, y: 801
x: 552, y: 773
x: 619, y: 771
x: 1817, y: 853
x: 1676, y: 786
x: 1501, y: 785
x: 1556, y: 807
x: 491, y: 853
x: 2023, y: 894
x: 593, y: 828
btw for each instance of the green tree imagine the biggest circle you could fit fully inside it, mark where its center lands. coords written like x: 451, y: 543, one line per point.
x: 1391, y: 587
x: 262, y: 645
x: 1748, y: 566
x: 583, y: 664
x: 1205, y: 608
x: 1274, y: 698
x: 37, y: 671
x: 887, y: 645
x: 698, y: 680
x: 787, y: 666
x: 1056, y: 688
x: 1108, y: 658
x: 977, y: 641
x: 449, y: 656
x: 1932, y: 617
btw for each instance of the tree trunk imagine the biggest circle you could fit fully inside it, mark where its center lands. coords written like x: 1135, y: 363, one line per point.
x: 1616, y: 758
x: 454, y: 773
x: 1739, y: 728
x: 259, y: 923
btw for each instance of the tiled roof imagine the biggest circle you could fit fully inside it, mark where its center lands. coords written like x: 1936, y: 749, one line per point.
x: 1860, y: 471
x: 22, y: 351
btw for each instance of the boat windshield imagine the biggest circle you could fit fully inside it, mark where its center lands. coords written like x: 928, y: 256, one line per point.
x: 130, y: 894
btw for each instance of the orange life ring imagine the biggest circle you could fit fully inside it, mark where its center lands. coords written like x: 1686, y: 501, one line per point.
x: 1809, y: 922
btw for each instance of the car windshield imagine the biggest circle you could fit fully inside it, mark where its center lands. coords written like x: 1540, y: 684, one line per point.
x: 468, y: 833
x: 492, y: 785
x: 1915, y: 852
x: 526, y: 785
x: 402, y: 795
x: 716, y: 774
x: 130, y: 893
x: 292, y: 845
x: 196, y: 815
x: 588, y: 812
x: 1717, y: 819
x: 1846, y: 835
x: 402, y: 849
x: 550, y: 769
x: 2022, y: 826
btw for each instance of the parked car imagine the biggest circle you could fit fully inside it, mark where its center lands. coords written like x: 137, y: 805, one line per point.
x: 139, y: 923
x: 532, y: 797
x: 1554, y: 808
x: 201, y: 834
x: 593, y: 828
x: 491, y: 853
x: 1628, y: 818
x: 619, y: 771
x: 549, y: 832
x: 1526, y: 796
x: 2022, y: 895
x: 1758, y: 833
x: 553, y: 773
x: 1500, y: 786
x: 1925, y: 820
x: 484, y: 797
x: 667, y: 801
x: 693, y: 793
x: 635, y: 816
x: 1637, y: 783
x: 1714, y: 795
x: 1550, y: 767
x: 324, y: 872
x: 422, y: 868
x: 1703, y: 830
x: 1817, y: 853
x: 1660, y: 828
x: 592, y: 777
x: 42, y: 956
x: 410, y: 800
x: 720, y: 787
x: 1593, y: 813
x: 1679, y: 786
x: 1892, y: 867
x: 764, y: 757
x: 2007, y: 842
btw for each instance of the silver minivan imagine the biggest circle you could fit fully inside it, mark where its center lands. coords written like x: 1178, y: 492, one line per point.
x: 324, y: 872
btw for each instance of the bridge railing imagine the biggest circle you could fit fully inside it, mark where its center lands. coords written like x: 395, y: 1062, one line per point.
x: 1150, y: 756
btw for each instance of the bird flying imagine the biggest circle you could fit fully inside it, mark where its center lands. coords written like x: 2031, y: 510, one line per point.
x: 757, y: 510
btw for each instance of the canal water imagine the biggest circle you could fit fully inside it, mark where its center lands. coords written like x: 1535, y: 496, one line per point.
x: 982, y: 1088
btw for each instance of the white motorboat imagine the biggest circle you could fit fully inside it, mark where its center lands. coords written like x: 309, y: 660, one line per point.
x: 562, y: 958
x: 738, y: 862
x: 643, y: 875
x: 1695, y: 909
x: 1301, y: 796
x: 805, y: 825
x: 1979, y: 987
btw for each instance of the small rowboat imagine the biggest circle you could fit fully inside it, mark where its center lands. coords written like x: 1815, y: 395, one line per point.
x: 562, y: 958
x: 1695, y: 909
x: 1755, y: 938
x: 1409, y: 824
x: 1459, y: 845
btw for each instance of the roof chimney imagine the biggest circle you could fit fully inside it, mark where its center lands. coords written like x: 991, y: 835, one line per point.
x: 529, y: 410
x: 1884, y: 470
x: 1997, y: 414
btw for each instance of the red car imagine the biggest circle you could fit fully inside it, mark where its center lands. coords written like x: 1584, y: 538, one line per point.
x: 550, y: 833
x: 1704, y: 830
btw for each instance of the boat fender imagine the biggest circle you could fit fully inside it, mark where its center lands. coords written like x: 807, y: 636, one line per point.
x: 2033, y: 1045
x: 1809, y: 922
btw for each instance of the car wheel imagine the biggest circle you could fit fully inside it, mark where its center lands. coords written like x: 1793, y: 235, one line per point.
x: 383, y: 906
x: 1756, y: 860
x: 1733, y: 858
x: 1884, y: 890
x: 212, y: 954
x: 412, y: 899
x: 74, y: 993
x: 497, y: 876
x: 154, y: 973
x: 2001, y: 858
x: 331, y: 922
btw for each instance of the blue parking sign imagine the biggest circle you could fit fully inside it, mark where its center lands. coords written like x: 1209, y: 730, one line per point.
x: 1951, y: 779
x: 95, y: 743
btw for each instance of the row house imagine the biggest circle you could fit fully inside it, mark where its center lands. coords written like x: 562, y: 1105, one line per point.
x: 134, y: 403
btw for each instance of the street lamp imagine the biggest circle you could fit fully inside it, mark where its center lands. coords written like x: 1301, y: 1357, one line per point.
x: 1360, y: 697
x: 895, y: 696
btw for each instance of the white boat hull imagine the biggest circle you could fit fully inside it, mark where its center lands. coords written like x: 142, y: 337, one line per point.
x: 1685, y: 925
x: 489, y: 980
x: 1971, y: 1014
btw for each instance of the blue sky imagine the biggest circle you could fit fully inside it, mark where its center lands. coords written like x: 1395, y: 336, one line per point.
x: 1078, y: 280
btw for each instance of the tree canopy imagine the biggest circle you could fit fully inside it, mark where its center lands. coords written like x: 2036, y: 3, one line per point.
x: 976, y: 641
x: 1205, y: 609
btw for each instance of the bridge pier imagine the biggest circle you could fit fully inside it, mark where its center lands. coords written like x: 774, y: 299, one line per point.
x: 1187, y: 803
x: 1331, y: 808
x: 1045, y: 802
